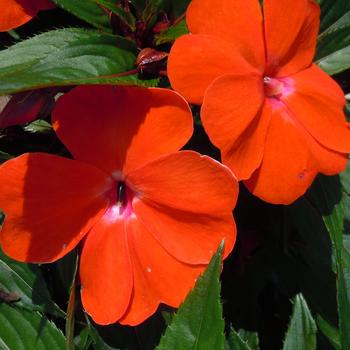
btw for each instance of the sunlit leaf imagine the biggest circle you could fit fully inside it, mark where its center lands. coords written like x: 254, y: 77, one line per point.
x: 68, y: 57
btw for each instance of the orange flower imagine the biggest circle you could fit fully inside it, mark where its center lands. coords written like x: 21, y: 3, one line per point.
x: 277, y: 118
x: 14, y: 13
x: 150, y: 217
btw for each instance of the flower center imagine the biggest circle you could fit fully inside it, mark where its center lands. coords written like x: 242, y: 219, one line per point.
x: 273, y: 87
x: 277, y: 87
x: 121, y: 202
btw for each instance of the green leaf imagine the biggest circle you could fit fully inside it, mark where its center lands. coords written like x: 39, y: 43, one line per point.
x: 335, y: 62
x: 97, y: 341
x: 172, y: 33
x: 83, y: 340
x: 332, y: 10
x: 26, y: 281
x: 330, y: 200
x: 152, y: 8
x: 236, y: 341
x: 302, y: 329
x: 251, y: 338
x: 310, y: 251
x: 198, y: 324
x: 39, y: 126
x: 87, y: 10
x: 21, y: 329
x: 4, y: 157
x: 68, y: 57
x: 335, y: 38
x: 329, y: 331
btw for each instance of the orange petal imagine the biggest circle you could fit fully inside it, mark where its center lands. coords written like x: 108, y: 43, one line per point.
x: 291, y: 29
x: 246, y: 154
x: 186, y: 202
x: 119, y: 128
x: 328, y: 162
x: 155, y: 275
x: 188, y: 236
x: 287, y: 168
x: 106, y: 272
x: 230, y: 105
x: 14, y: 13
x: 317, y: 102
x: 196, y: 60
x: 241, y: 25
x: 50, y: 204
x: 167, y: 181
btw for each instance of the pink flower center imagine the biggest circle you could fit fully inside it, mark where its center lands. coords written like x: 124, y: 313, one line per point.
x: 277, y: 88
x: 121, y: 197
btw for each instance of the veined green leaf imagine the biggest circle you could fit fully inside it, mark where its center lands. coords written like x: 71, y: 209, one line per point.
x: 198, y: 324
x: 26, y: 281
x: 302, y: 329
x: 21, y: 329
x: 68, y: 57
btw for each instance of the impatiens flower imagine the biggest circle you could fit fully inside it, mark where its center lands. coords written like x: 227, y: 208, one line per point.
x: 277, y: 118
x: 14, y: 13
x: 149, y: 216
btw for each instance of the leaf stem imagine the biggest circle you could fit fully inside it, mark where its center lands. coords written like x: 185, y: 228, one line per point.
x: 70, y: 310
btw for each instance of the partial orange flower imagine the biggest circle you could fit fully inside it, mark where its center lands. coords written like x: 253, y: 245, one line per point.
x: 14, y: 13
x: 150, y: 216
x: 277, y: 118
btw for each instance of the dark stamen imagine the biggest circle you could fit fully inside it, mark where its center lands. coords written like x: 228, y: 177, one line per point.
x: 121, y: 194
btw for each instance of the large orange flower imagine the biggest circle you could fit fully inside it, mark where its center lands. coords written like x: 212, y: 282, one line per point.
x: 277, y: 118
x: 14, y: 13
x: 150, y: 216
